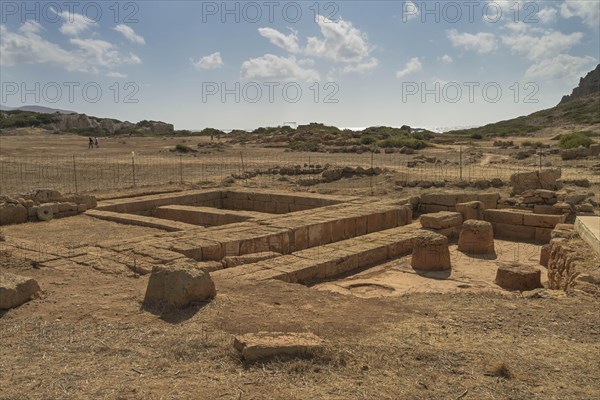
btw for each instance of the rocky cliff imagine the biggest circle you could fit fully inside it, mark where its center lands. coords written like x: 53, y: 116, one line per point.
x: 587, y: 86
x: 82, y: 122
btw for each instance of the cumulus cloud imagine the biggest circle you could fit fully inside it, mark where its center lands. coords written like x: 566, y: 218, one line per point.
x: 129, y: 34
x: 27, y: 46
x: 75, y: 23
x: 546, y: 45
x: 480, y: 42
x: 412, y: 66
x: 341, y: 42
x: 588, y: 11
x: 547, y: 15
x: 212, y: 61
x: 563, y: 66
x: 272, y: 67
x: 363, y: 67
x: 286, y: 42
x: 446, y: 59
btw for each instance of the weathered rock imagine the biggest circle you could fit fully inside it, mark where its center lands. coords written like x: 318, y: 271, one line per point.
x: 44, y: 195
x: 482, y: 184
x: 430, y: 252
x: 11, y: 213
x: 545, y: 255
x: 471, y: 210
x: 441, y: 220
x: 545, y: 179
x: 497, y: 182
x: 476, y: 237
x: 16, y: 290
x: 518, y: 277
x: 573, y: 154
x: 261, y: 345
x: 178, y: 285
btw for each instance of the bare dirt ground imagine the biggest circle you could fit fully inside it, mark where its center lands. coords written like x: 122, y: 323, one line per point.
x: 458, y: 338
x: 87, y: 338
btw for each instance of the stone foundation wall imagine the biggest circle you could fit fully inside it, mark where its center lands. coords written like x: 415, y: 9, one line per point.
x: 522, y: 225
x: 434, y: 202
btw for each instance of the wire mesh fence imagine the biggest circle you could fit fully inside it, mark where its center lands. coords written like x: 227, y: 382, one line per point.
x: 83, y: 173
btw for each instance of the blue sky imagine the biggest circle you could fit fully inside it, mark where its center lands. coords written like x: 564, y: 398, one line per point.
x: 247, y: 64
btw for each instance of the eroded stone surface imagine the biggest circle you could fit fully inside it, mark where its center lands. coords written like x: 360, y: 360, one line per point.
x: 178, y: 285
x: 261, y: 345
x: 476, y: 237
x: 16, y: 290
x: 430, y: 252
x: 518, y: 277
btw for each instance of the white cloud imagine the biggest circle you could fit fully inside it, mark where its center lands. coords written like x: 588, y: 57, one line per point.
x: 563, y: 67
x: 129, y: 34
x: 114, y: 74
x: 361, y: 68
x: 272, y: 67
x: 480, y: 42
x: 410, y: 10
x: 547, y: 45
x: 100, y: 53
x: 446, y: 59
x: 212, y: 61
x: 517, y: 27
x: 26, y: 46
x: 414, y: 65
x: 587, y: 10
x: 286, y: 42
x: 341, y: 42
x: 547, y: 15
x: 75, y: 23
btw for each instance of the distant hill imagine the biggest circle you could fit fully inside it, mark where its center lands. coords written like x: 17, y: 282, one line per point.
x: 81, y: 124
x: 37, y: 109
x: 581, y: 108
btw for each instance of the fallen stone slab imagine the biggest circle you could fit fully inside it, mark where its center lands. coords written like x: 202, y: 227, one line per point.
x: 16, y: 290
x: 261, y: 345
x: 441, y: 220
x: 518, y: 277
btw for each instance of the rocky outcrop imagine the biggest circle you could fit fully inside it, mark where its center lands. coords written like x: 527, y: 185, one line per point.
x: 108, y: 126
x: 587, y: 86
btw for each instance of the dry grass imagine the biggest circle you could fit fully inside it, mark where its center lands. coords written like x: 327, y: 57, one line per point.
x: 87, y: 338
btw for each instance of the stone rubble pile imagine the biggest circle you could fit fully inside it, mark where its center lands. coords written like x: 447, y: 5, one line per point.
x: 42, y: 205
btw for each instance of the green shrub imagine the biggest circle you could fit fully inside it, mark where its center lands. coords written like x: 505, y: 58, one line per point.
x: 367, y: 140
x: 574, y: 140
x: 403, y: 142
x: 476, y: 136
x: 211, y: 132
x: 182, y: 148
x: 529, y: 143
